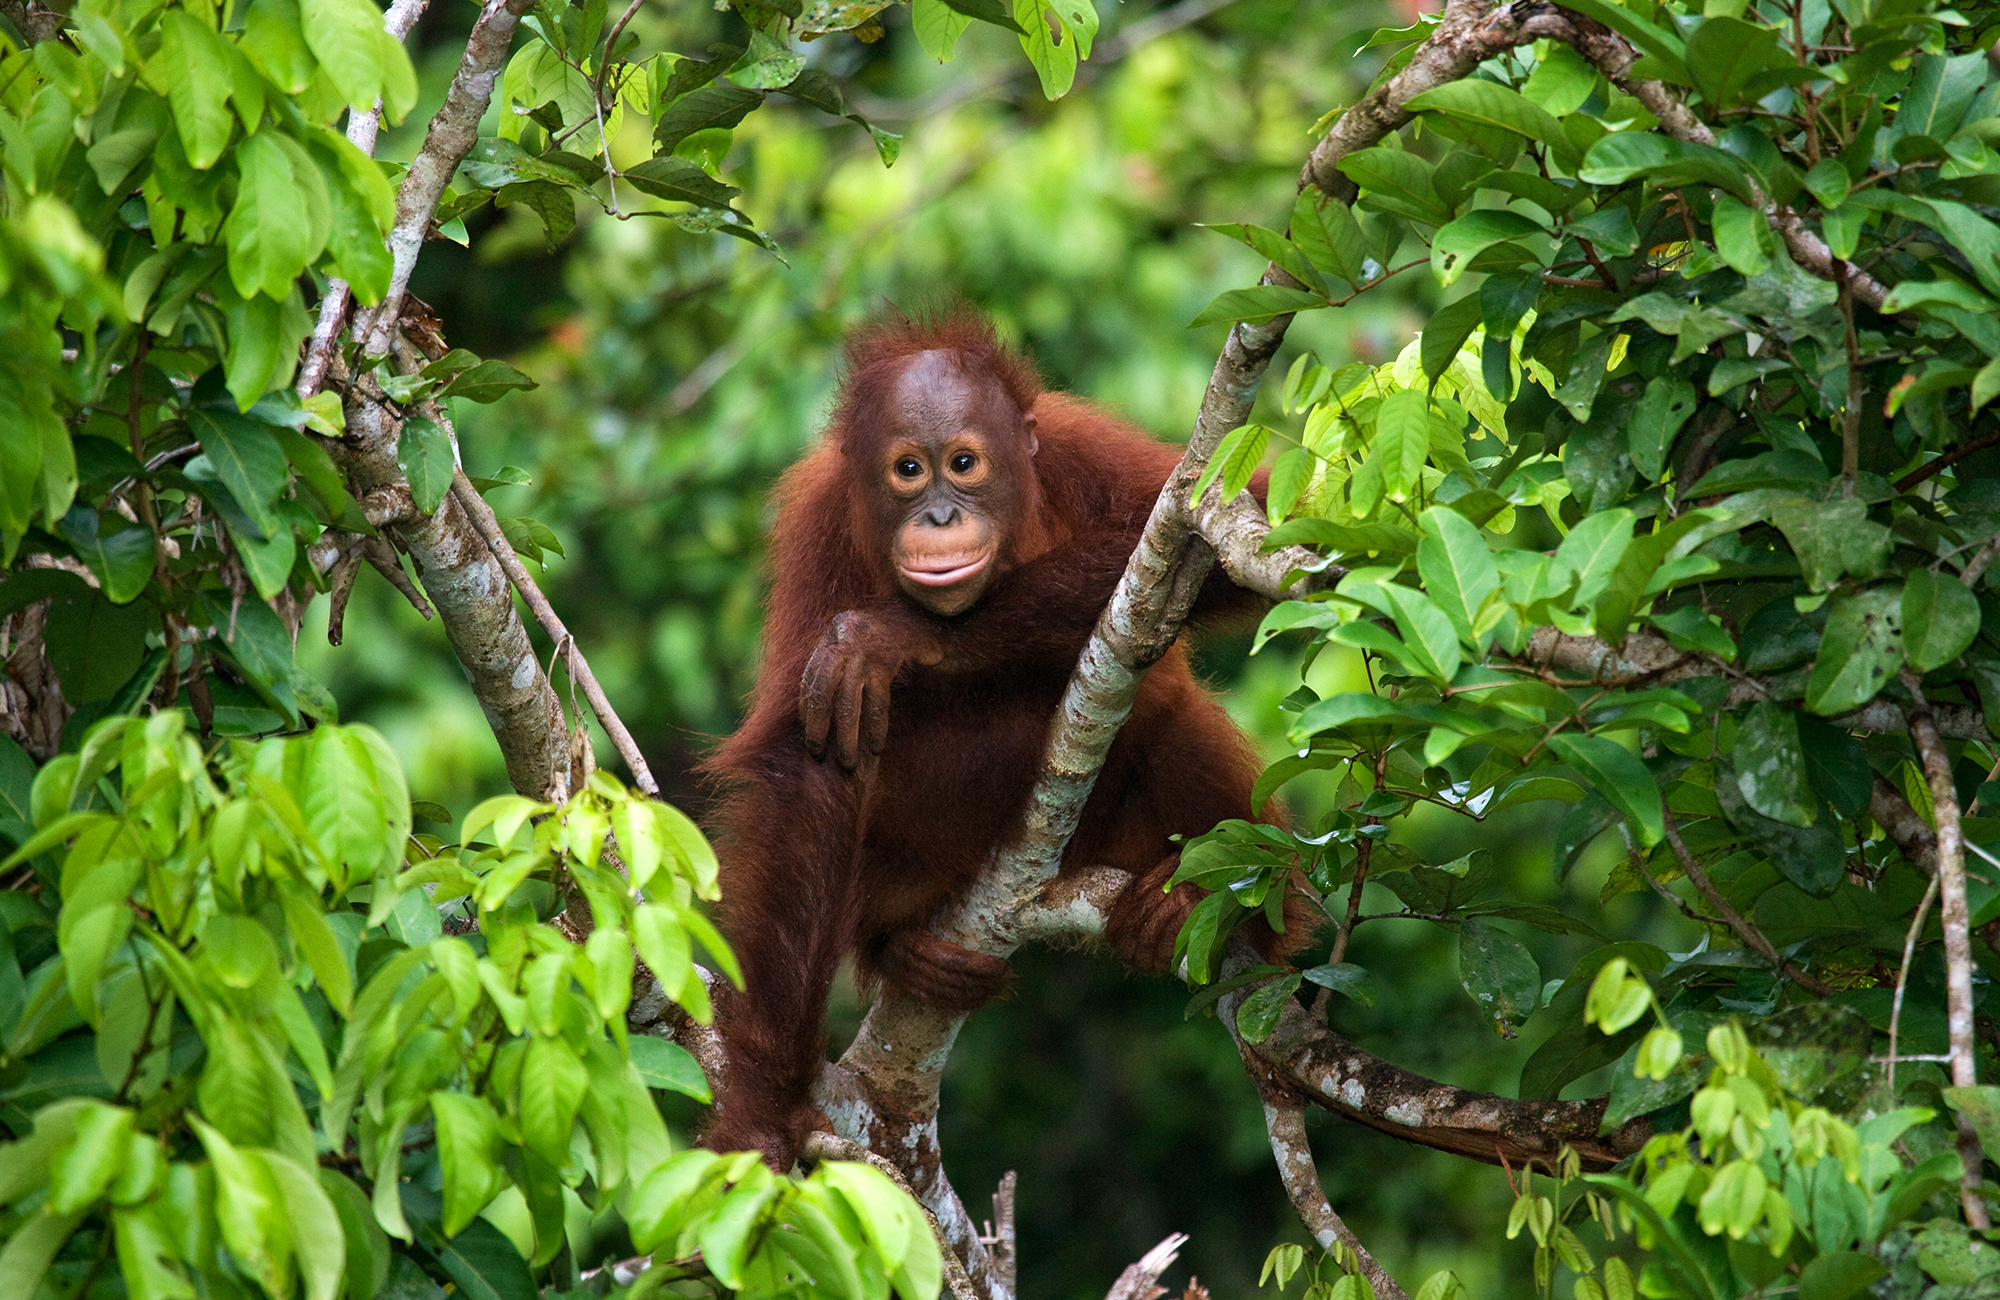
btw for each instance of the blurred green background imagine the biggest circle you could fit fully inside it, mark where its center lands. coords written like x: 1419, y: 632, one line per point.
x: 680, y: 374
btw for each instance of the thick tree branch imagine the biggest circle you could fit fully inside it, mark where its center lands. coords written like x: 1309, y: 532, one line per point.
x: 1647, y: 658
x: 482, y: 518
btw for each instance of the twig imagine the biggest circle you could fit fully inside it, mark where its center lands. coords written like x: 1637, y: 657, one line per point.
x: 387, y: 563
x: 1734, y: 919
x: 1946, y: 461
x: 1957, y: 933
x: 1140, y: 1281
x: 1286, y: 1124
x: 826, y: 1146
x: 1975, y: 568
x: 1903, y: 977
x: 340, y: 582
x: 488, y: 527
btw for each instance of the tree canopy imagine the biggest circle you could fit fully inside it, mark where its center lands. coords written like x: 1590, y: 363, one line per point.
x: 1626, y: 677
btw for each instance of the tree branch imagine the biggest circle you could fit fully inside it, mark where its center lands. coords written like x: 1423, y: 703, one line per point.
x: 482, y: 518
x: 1286, y: 1124
x: 451, y: 136
x: 1732, y: 918
x: 1140, y: 1280
x: 1957, y: 934
x: 1615, y: 59
x: 473, y: 599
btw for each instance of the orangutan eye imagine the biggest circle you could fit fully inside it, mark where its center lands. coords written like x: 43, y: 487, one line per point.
x: 963, y: 462
x: 909, y: 467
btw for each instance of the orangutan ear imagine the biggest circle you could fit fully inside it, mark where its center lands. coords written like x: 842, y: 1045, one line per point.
x: 1028, y: 433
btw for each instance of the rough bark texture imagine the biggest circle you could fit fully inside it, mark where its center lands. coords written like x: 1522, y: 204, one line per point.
x: 473, y: 598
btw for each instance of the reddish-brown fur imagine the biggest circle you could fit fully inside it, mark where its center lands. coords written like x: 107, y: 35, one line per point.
x: 819, y: 861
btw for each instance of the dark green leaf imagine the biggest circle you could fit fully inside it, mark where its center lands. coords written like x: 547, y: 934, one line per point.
x: 1770, y: 764
x: 1859, y: 652
x: 488, y: 381
x: 1810, y: 857
x: 123, y: 558
x: 1258, y: 1014
x: 703, y: 110
x: 668, y: 177
x: 1940, y: 619
x: 1499, y: 973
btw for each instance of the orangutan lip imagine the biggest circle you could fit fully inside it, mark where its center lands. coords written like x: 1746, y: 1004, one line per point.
x: 946, y: 576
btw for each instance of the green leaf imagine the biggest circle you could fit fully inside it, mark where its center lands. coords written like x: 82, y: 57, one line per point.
x: 552, y: 1087
x: 1593, y: 549
x: 488, y: 381
x: 665, y: 1064
x: 427, y: 458
x: 247, y: 460
x: 1236, y: 458
x: 1723, y: 54
x: 668, y: 177
x: 1771, y: 765
x: 1456, y: 567
x: 1488, y: 103
x: 93, y: 645
x: 1325, y: 231
x: 195, y: 68
x: 1456, y: 244
x: 1399, y: 182
x: 1402, y: 441
x: 84, y: 1166
x: 1662, y: 410
x: 29, y: 1250
x: 1431, y: 642
x: 1499, y: 973
x: 1940, y: 619
x: 363, y: 61
x: 468, y: 1138
x: 938, y: 26
x: 1742, y: 236
x: 1258, y: 1014
x: 318, y: 1239
x: 707, y: 109
x: 1263, y: 303
x: 1275, y: 248
x: 1859, y: 652
x: 485, y: 1265
x: 121, y: 559
x: 1839, y: 1275
x: 1617, y: 774
x: 1811, y: 857
x: 1663, y: 162
x: 1446, y: 331
x: 986, y: 11
x: 1356, y: 982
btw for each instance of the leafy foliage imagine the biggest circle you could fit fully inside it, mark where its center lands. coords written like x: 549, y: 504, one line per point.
x: 239, y: 990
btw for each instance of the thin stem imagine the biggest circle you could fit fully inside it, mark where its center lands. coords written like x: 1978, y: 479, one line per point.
x: 1850, y: 418
x: 1734, y: 919
x: 1903, y: 976
x: 488, y: 527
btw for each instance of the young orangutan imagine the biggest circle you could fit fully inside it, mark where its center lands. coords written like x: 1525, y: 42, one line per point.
x: 938, y: 564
